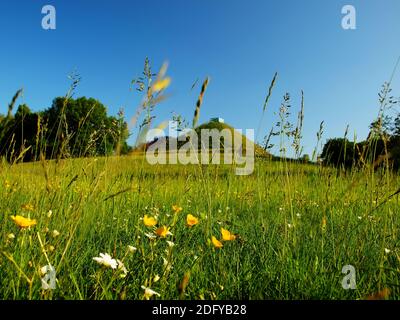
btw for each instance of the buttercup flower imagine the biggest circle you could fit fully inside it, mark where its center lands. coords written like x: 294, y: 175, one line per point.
x: 226, y: 235
x: 149, y: 221
x: 217, y: 244
x: 106, y: 260
x: 191, y: 220
x: 161, y: 84
x: 176, y: 208
x: 23, y: 222
x: 163, y: 232
x: 55, y: 233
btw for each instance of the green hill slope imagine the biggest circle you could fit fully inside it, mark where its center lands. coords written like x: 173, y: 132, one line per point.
x: 259, y: 151
x: 211, y: 125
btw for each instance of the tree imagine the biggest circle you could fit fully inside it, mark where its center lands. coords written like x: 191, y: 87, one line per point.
x: 84, y: 127
x: 305, y: 158
x: 339, y: 152
x: 381, y: 126
x: 70, y: 127
x: 395, y: 129
x: 18, y: 135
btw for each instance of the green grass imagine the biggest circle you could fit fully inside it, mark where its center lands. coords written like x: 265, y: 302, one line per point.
x: 283, y: 249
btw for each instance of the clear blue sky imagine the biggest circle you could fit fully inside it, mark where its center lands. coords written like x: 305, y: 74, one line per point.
x: 239, y: 44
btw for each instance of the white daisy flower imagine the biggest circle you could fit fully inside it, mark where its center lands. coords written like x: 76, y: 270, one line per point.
x: 106, y: 260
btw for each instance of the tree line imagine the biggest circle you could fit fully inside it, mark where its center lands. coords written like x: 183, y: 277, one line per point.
x: 69, y: 128
x: 382, y: 147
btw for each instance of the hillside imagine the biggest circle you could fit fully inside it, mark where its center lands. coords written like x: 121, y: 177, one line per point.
x: 259, y: 151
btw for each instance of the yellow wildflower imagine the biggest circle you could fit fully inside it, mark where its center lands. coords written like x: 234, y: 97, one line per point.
x: 23, y: 222
x: 161, y: 84
x: 163, y: 231
x: 149, y: 221
x: 191, y: 220
x: 226, y: 235
x: 176, y: 208
x: 217, y: 244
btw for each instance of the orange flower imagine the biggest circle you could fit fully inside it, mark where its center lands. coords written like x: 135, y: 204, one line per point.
x: 23, y: 222
x: 191, y: 220
x: 217, y: 244
x: 226, y: 235
x: 149, y: 221
x: 176, y: 208
x: 163, y: 231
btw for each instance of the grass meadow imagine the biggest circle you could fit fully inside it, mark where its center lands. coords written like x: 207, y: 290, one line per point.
x: 293, y: 227
x: 86, y: 215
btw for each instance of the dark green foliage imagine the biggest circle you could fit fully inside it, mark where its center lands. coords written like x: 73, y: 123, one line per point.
x: 69, y: 128
x: 339, y: 152
x: 18, y: 133
x: 305, y: 158
x: 342, y: 153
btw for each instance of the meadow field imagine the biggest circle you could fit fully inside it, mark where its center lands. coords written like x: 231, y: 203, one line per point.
x: 288, y: 230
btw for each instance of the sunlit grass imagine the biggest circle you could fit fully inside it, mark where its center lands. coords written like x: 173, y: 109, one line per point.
x: 284, y: 232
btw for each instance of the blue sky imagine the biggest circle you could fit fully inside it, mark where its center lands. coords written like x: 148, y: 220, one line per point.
x: 239, y: 44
